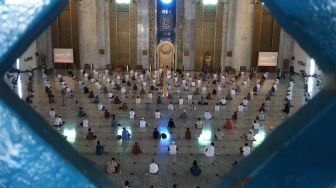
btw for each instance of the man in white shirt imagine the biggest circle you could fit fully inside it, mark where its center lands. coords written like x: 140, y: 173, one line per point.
x: 85, y: 123
x: 58, y: 121
x: 100, y: 106
x: 150, y: 95
x: 203, y: 90
x: 217, y: 107
x: 181, y: 101
x: 207, y: 115
x: 52, y: 114
x: 123, y: 90
x: 142, y: 123
x: 256, y: 125
x: 245, y: 102
x: 189, y: 97
x: 170, y: 107
x: 233, y: 92
x: 137, y: 100
x: 240, y: 108
x: 258, y: 87
x: 131, y: 114
x: 209, y: 151
x: 157, y: 114
x: 223, y: 101
x: 172, y: 148
x: 250, y: 135
x: 199, y: 124
x: 219, y: 135
x: 246, y: 150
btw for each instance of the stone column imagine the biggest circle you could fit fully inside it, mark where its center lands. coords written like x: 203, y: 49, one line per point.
x: 243, y: 34
x: 143, y: 33
x: 44, y: 47
x: 286, y: 47
x: 87, y: 29
x: 230, y: 32
x: 189, y: 33
x: 103, y: 37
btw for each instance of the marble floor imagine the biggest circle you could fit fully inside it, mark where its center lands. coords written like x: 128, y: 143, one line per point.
x: 173, y: 169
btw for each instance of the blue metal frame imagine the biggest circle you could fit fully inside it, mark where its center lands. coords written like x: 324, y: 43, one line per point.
x: 301, y: 152
x: 31, y: 153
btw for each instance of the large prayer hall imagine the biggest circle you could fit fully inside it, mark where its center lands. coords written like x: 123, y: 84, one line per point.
x: 159, y: 93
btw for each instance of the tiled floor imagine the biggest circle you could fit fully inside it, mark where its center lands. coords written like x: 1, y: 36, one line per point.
x: 173, y: 169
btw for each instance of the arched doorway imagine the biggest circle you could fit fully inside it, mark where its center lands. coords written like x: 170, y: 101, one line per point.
x: 165, y: 55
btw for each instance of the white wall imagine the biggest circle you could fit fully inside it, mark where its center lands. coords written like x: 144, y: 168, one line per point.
x: 301, y: 55
x: 30, y: 52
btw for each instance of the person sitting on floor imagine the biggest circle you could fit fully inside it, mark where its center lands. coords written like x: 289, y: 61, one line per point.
x: 228, y: 124
x: 235, y: 116
x: 246, y: 150
x: 195, y: 169
x: 261, y: 116
x: 111, y: 167
x: 214, y: 91
x: 153, y: 168
x: 142, y: 92
x: 58, y: 121
x: 199, y: 124
x: 132, y: 114
x: 137, y: 100
x: 135, y: 87
x: 91, y: 95
x: 172, y: 148
x: 90, y: 135
x: 256, y: 125
x: 157, y: 114
x: 107, y: 114
x: 142, y: 123
x: 184, y: 115
x: 158, y: 100
x: 187, y: 134
x: 223, y: 101
x: 136, y: 149
x: 101, y: 107
x: 171, y: 123
x: 240, y: 107
x: 125, y: 135
x: 217, y: 108
x: 52, y: 114
x: 124, y: 107
x: 196, y: 92
x: 219, y: 135
x: 202, y: 101
x: 210, y: 150
x: 85, y: 122
x: 228, y: 97
x: 209, y: 97
x: 99, y: 148
x: 207, y: 115
x: 114, y: 122
x: 96, y: 99
x: 170, y: 107
x: 105, y: 91
x: 156, y: 134
x: 250, y: 136
x: 117, y: 100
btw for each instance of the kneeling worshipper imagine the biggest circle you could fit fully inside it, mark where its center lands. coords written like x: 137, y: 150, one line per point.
x: 202, y: 101
x: 142, y: 123
x: 90, y: 135
x: 228, y: 124
x: 208, y: 116
x: 117, y: 100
